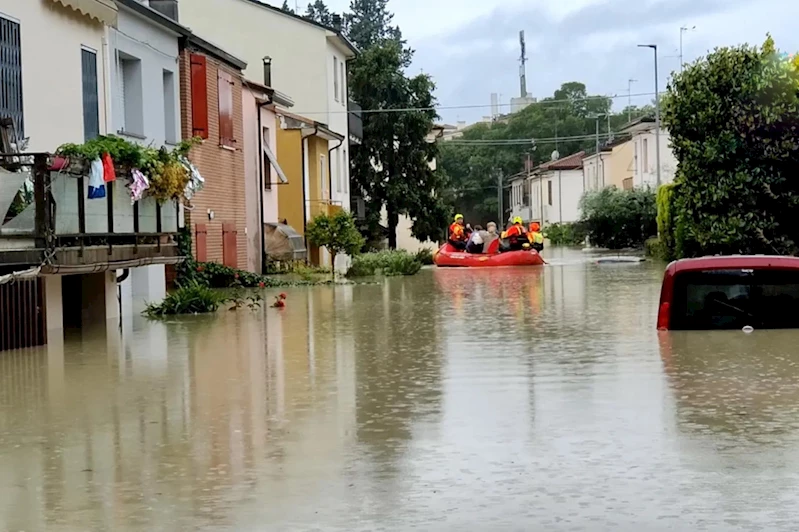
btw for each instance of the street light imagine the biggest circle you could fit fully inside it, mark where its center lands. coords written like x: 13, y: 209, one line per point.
x: 654, y: 48
x: 630, y: 99
x: 684, y: 29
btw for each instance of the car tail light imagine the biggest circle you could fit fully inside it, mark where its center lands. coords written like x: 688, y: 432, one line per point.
x: 664, y: 316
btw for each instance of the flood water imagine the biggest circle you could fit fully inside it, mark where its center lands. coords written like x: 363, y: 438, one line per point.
x: 504, y: 399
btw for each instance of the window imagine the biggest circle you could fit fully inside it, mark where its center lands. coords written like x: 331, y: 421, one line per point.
x: 130, y: 77
x: 91, y: 100
x: 346, y: 175
x: 549, y: 191
x: 170, y: 120
x: 199, y: 96
x: 226, y: 110
x: 335, y: 78
x: 343, y: 83
x: 11, y: 75
x: 338, y: 173
x: 267, y: 164
x: 646, y: 156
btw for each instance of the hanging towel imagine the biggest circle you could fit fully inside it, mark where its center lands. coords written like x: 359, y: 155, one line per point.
x: 96, y: 183
x: 196, y: 181
x: 109, y: 174
x: 138, y: 186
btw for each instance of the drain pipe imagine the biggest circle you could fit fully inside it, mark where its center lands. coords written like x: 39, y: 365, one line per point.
x: 305, y: 171
x: 330, y: 166
x: 125, y: 274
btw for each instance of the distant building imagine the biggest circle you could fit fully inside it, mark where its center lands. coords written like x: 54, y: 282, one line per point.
x: 517, y: 104
x: 551, y: 192
x: 642, y: 131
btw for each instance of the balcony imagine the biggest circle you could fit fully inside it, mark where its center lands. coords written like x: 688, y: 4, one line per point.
x: 58, y: 229
x: 355, y: 122
x: 326, y: 207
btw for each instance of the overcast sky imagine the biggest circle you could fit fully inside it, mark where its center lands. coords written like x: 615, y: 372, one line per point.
x: 471, y: 47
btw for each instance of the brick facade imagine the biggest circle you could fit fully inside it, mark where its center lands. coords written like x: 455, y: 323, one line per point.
x: 222, y: 167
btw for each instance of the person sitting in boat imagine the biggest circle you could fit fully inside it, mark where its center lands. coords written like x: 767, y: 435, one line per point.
x: 536, y: 237
x: 515, y: 237
x: 457, y: 233
x: 477, y: 240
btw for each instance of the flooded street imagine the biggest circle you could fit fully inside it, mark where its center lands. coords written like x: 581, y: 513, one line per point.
x: 496, y: 399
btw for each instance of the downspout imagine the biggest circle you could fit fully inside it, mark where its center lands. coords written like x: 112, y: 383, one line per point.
x: 560, y: 196
x: 258, y: 108
x: 306, y: 171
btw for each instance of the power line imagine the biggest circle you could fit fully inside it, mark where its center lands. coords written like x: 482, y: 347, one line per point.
x: 527, y: 142
x: 480, y: 106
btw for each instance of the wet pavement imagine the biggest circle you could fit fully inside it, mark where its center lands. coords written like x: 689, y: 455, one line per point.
x: 504, y: 399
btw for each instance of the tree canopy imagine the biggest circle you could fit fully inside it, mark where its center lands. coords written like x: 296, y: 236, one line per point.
x: 732, y: 118
x: 474, y: 161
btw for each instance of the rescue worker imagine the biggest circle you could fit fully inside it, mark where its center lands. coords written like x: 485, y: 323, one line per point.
x: 457, y: 234
x: 514, y: 235
x: 536, y: 237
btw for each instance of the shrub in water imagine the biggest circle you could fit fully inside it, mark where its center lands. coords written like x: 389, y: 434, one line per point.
x: 387, y: 262
x: 566, y: 234
x: 425, y: 256
x: 191, y: 298
x: 618, y: 219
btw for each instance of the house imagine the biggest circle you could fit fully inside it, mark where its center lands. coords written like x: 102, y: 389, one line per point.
x: 642, y: 132
x: 64, y: 257
x: 303, y: 152
x: 555, y: 189
x: 264, y: 176
x: 211, y: 105
x: 613, y: 166
x: 308, y: 61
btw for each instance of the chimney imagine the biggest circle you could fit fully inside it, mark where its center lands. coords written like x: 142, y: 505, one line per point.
x: 168, y: 8
x: 267, y: 71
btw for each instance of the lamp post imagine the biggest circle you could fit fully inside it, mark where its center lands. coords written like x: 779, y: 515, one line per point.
x: 630, y: 98
x: 684, y: 29
x: 654, y: 48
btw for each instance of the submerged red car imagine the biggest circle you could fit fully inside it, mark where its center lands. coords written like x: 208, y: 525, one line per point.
x: 730, y: 292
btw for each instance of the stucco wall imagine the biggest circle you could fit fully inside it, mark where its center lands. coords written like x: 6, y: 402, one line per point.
x: 52, y: 36
x: 646, y: 166
x: 157, y: 49
x: 567, y: 189
x: 621, y: 164
x: 290, y: 197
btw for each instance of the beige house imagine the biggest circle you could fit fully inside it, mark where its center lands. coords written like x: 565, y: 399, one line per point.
x: 614, y: 166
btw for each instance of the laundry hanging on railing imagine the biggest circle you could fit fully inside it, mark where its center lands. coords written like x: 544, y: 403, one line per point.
x: 109, y: 174
x: 196, y: 181
x: 96, y: 181
x: 137, y: 187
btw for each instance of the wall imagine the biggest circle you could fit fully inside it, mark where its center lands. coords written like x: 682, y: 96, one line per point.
x: 621, y: 164
x: 157, y: 48
x: 221, y: 167
x: 594, y: 171
x: 291, y: 198
x: 51, y: 70
x: 567, y: 189
x: 252, y: 170
x: 337, y: 121
x: 646, y: 167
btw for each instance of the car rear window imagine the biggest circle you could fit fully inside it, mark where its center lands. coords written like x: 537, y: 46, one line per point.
x: 733, y: 299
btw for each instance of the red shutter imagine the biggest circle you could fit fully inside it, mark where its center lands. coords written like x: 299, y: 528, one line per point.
x: 226, y: 110
x: 229, y: 252
x: 201, y: 236
x: 199, y: 96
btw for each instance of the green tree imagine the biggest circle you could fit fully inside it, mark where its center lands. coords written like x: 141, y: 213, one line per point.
x: 318, y: 12
x: 285, y: 7
x: 338, y: 233
x: 732, y: 117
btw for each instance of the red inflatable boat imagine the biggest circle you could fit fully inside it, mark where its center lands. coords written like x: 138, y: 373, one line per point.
x: 450, y: 257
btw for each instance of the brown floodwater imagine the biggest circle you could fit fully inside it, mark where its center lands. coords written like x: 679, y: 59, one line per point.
x: 501, y: 399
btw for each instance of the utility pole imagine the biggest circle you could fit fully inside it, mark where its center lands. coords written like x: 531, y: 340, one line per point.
x: 654, y: 48
x: 630, y: 99
x: 499, y: 200
x: 597, y: 134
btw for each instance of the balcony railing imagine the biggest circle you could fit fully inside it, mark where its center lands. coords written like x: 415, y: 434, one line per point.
x: 355, y: 121
x: 63, y: 229
x: 326, y: 207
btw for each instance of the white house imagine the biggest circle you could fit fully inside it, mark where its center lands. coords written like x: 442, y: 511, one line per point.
x: 596, y: 170
x: 144, y: 104
x: 556, y: 188
x: 308, y: 61
x: 645, y: 154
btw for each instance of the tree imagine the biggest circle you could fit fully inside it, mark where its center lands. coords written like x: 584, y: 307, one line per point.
x: 338, y: 233
x: 732, y: 119
x: 369, y: 24
x: 286, y: 7
x: 318, y: 12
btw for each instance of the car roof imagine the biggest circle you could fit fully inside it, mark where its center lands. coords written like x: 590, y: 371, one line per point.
x: 726, y: 262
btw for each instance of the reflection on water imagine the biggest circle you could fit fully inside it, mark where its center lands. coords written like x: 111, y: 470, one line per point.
x: 497, y: 399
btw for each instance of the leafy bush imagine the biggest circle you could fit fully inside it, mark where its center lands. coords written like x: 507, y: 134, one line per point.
x: 654, y: 247
x: 618, y: 219
x: 338, y: 233
x: 732, y: 119
x: 197, y: 298
x: 665, y: 222
x: 566, y: 234
x: 389, y: 263
x: 425, y: 256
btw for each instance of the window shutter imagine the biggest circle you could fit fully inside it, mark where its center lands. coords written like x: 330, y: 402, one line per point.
x: 199, y: 96
x: 91, y: 101
x: 226, y: 110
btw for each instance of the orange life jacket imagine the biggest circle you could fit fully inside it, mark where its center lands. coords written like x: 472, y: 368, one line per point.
x: 456, y: 232
x: 514, y: 230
